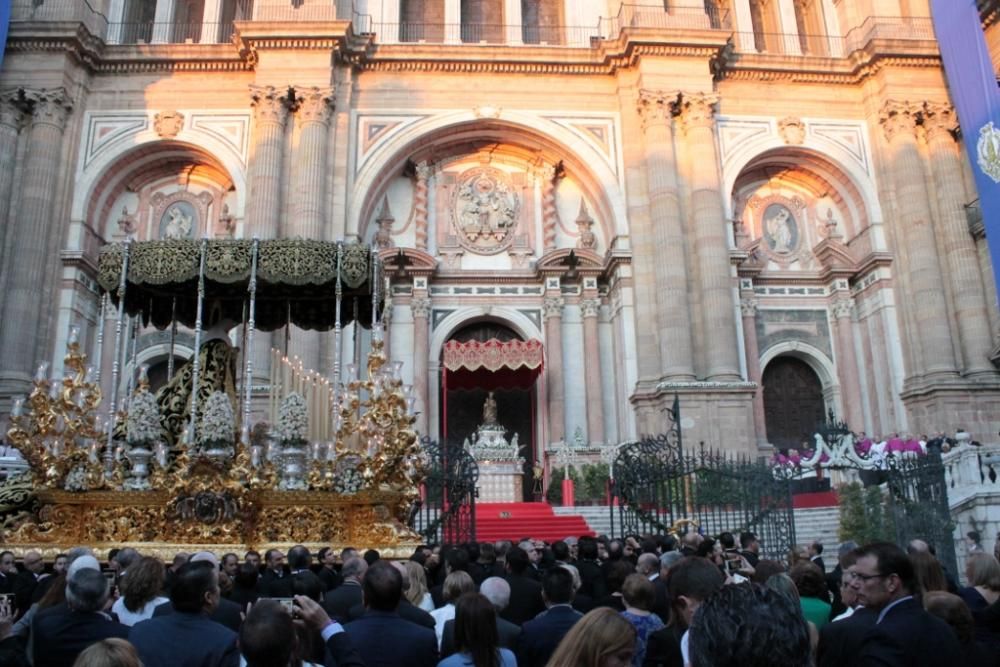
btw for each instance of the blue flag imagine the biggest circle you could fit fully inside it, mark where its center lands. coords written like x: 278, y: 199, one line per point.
x: 973, y: 86
x: 4, y: 23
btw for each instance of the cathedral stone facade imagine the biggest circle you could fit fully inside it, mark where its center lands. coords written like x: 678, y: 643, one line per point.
x: 759, y: 206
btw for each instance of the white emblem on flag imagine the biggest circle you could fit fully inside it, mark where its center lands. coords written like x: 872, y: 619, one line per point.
x: 989, y: 151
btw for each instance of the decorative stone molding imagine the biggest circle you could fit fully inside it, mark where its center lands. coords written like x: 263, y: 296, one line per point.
x: 420, y: 306
x: 550, y: 213
x: 792, y: 130
x: 656, y: 106
x: 590, y: 307
x: 383, y: 235
x: 423, y: 173
x: 940, y: 121
x: 168, y: 124
x: 552, y: 306
x: 314, y: 104
x: 270, y: 104
x: 748, y: 306
x: 586, y: 238
x: 698, y: 110
x: 49, y: 107
x: 899, y: 119
x: 842, y: 308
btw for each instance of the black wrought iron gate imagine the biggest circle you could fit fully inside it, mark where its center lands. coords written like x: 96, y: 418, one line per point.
x: 446, y: 512
x: 658, y: 487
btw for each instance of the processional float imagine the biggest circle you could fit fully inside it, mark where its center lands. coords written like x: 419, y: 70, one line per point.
x: 184, y: 468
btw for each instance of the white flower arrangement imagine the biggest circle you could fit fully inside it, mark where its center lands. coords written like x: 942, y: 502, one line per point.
x: 348, y: 482
x: 293, y: 421
x: 143, y: 423
x: 218, y: 425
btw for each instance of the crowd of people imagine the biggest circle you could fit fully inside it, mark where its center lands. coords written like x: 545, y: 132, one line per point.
x: 588, y: 602
x: 877, y: 447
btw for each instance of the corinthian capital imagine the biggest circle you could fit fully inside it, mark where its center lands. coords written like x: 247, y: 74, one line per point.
x: 748, y: 306
x: 656, y: 106
x: 940, y: 121
x: 420, y: 306
x: 12, y: 108
x: 423, y: 170
x: 590, y: 307
x: 552, y: 306
x: 899, y: 119
x: 698, y: 109
x: 49, y: 107
x: 843, y: 308
x: 315, y: 104
x: 270, y: 104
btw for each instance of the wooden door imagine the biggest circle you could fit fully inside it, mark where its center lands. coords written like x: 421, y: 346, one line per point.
x: 793, y: 402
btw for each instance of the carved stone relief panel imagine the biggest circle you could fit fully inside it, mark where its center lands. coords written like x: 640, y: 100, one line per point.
x: 180, y: 215
x: 484, y: 210
x: 781, y: 224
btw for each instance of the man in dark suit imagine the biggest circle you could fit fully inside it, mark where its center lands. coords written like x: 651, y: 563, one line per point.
x: 8, y: 572
x: 339, y: 601
x: 328, y: 569
x: 592, y: 582
x: 903, y: 633
x: 187, y: 637
x: 525, y: 593
x: 382, y: 637
x: 226, y: 612
x: 841, y: 640
x: 406, y: 610
x: 816, y: 556
x: 269, y: 637
x: 497, y: 591
x: 61, y: 632
x: 28, y: 581
x: 541, y: 635
x: 274, y: 582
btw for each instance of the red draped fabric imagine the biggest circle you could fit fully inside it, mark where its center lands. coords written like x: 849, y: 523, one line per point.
x: 493, y: 364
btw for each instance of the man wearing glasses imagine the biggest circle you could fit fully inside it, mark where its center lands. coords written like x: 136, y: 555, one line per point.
x: 903, y: 633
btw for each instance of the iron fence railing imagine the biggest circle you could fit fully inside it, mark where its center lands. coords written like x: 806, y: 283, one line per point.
x: 148, y: 32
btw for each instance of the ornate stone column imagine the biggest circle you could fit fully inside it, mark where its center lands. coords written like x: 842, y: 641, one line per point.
x: 916, y: 236
x: 420, y: 307
x: 591, y: 307
x: 748, y: 307
x: 550, y: 215
x: 552, y: 311
x: 22, y: 307
x: 308, y: 188
x: 423, y: 174
x: 711, y: 248
x: 11, y: 119
x: 954, y: 239
x: 673, y: 318
x: 270, y: 106
x: 847, y: 362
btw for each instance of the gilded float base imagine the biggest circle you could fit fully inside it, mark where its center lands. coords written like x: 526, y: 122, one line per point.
x: 156, y: 524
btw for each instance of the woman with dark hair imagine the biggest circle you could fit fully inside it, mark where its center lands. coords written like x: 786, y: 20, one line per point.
x: 952, y: 610
x: 245, y: 585
x: 617, y: 573
x: 814, y: 596
x: 477, y: 641
x: 141, y: 587
x: 930, y: 575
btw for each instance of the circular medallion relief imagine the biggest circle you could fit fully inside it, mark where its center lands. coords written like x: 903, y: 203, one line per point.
x: 484, y: 210
x: 178, y: 221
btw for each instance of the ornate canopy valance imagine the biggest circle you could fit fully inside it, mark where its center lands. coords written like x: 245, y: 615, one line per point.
x: 513, y: 363
x: 296, y: 281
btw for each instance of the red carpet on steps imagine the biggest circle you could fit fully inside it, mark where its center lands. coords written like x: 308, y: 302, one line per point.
x: 512, y: 521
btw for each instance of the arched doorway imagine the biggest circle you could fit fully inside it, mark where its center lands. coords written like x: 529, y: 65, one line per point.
x: 793, y: 401
x: 464, y: 393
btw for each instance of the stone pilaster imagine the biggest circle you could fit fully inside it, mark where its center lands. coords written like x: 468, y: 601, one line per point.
x: 748, y: 308
x: 711, y: 248
x: 955, y: 241
x: 11, y: 121
x: 552, y: 311
x: 420, y: 307
x: 423, y: 174
x: 591, y: 307
x: 308, y: 188
x: 270, y: 107
x: 847, y: 362
x: 914, y: 232
x: 22, y: 308
x: 673, y: 316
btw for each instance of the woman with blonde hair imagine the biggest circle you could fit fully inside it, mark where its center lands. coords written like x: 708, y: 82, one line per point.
x: 602, y: 638
x: 455, y: 585
x: 417, y: 594
x: 983, y: 574
x: 109, y: 653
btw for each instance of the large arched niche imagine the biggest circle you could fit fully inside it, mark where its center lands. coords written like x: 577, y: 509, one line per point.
x: 437, y: 140
x: 146, y: 180
x: 821, y: 197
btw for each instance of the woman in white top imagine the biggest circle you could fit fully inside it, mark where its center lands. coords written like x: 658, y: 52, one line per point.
x: 455, y: 584
x: 140, y: 588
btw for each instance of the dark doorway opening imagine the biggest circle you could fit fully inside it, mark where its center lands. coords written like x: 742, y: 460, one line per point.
x: 793, y: 402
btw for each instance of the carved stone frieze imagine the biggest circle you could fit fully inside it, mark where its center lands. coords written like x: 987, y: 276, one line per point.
x: 270, y: 104
x: 168, y: 124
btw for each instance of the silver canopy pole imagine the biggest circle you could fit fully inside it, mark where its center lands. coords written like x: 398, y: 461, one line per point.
x: 248, y: 351
x: 196, y: 368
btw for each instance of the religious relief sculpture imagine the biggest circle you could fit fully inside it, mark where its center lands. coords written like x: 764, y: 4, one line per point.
x: 586, y: 238
x: 178, y: 221
x: 489, y: 442
x: 484, y: 210
x: 780, y: 229
x: 490, y: 410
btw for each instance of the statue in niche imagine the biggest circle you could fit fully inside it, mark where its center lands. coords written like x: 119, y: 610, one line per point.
x: 780, y: 229
x: 489, y: 410
x: 178, y: 221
